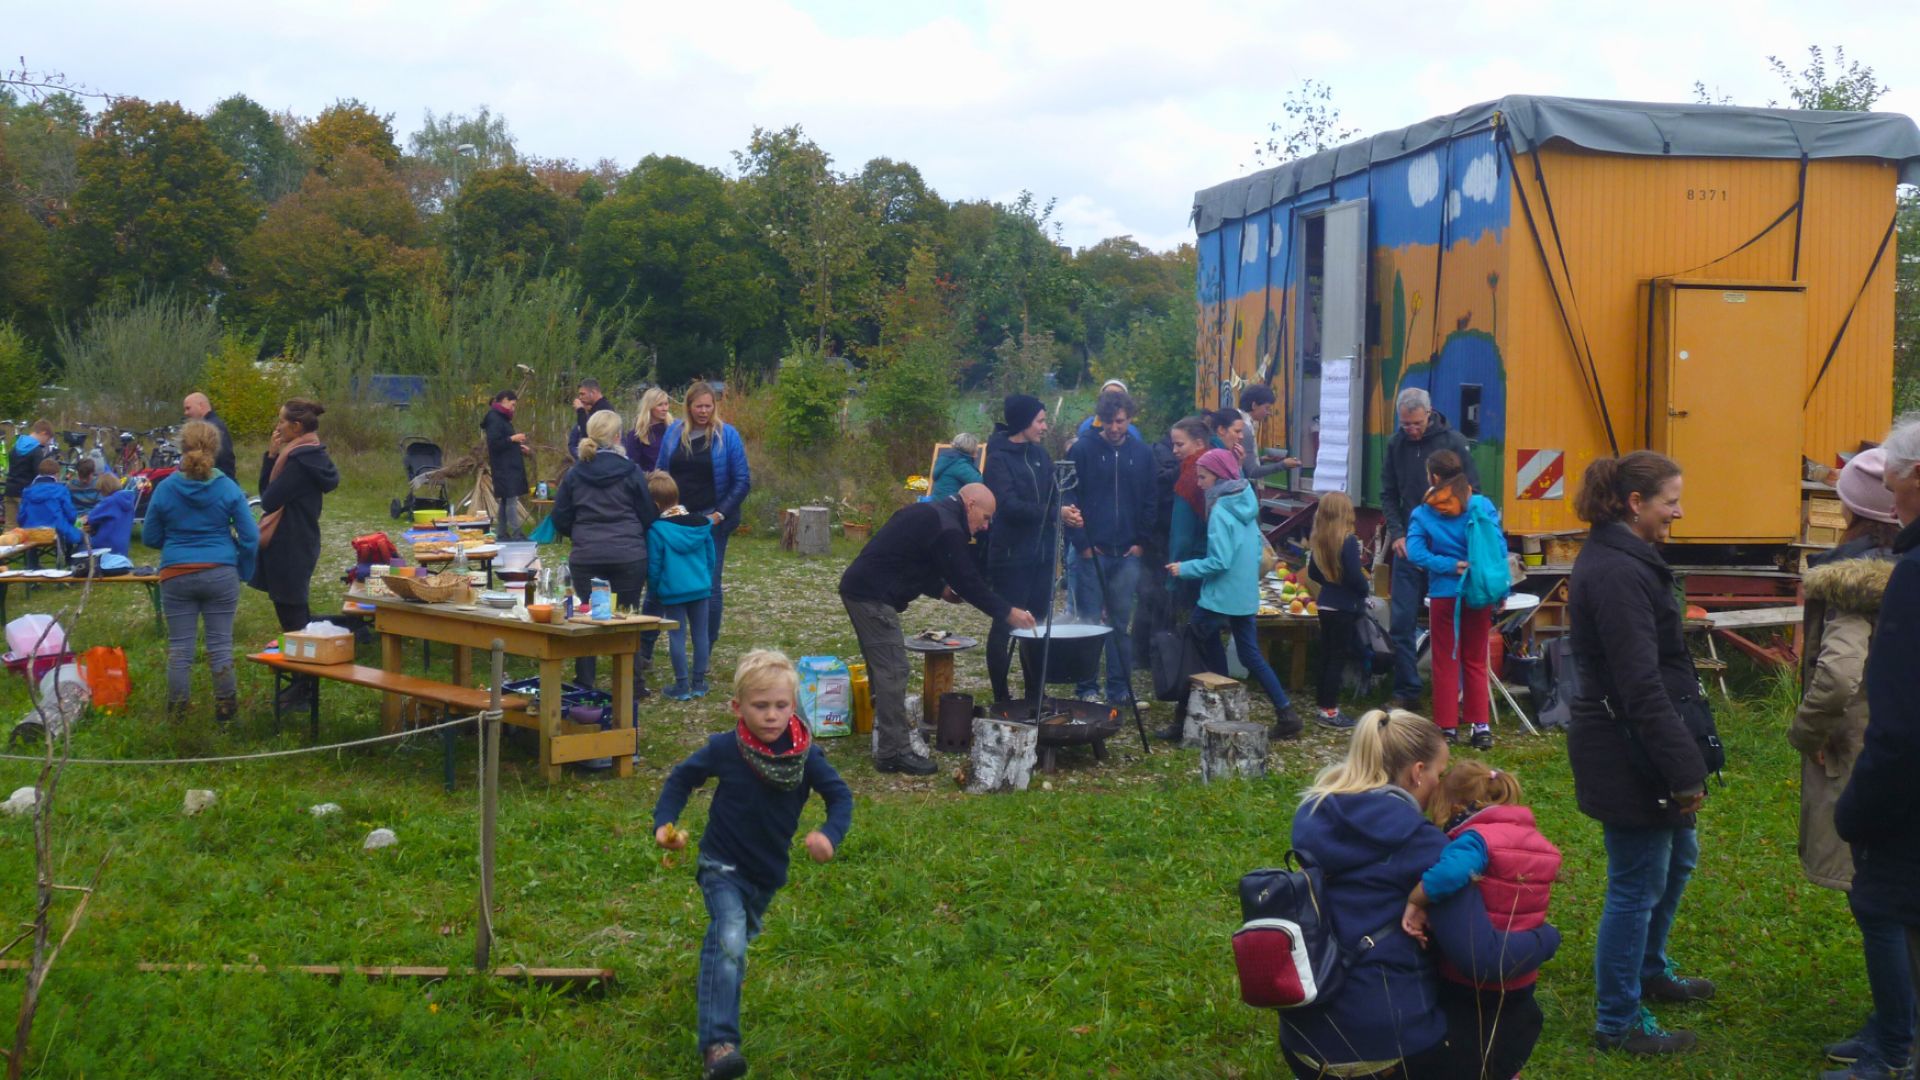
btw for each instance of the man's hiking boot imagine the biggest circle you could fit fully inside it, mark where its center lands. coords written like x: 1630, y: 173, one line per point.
x: 1285, y: 724
x: 1675, y: 988
x: 723, y: 1062
x: 1646, y: 1036
x: 910, y: 763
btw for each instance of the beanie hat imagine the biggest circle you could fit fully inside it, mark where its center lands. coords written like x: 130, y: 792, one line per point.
x: 1862, y: 489
x: 1115, y: 382
x: 1020, y: 411
x: 1221, y: 463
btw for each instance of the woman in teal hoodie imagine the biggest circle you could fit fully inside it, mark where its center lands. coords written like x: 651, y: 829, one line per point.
x: 1437, y: 543
x: 200, y: 521
x: 955, y: 468
x: 1229, y: 577
x: 680, y: 559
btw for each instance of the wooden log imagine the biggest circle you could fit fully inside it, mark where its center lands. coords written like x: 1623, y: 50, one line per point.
x: 1002, y: 757
x: 1230, y: 749
x: 789, y: 529
x: 1213, y: 698
x: 812, y: 535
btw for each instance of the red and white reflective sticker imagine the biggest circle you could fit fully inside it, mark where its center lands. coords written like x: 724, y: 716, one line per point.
x: 1542, y: 474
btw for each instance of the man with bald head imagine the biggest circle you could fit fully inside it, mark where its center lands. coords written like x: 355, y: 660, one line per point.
x: 923, y: 550
x: 197, y: 407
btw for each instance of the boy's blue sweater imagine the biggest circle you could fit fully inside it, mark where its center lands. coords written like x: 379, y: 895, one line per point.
x: 751, y: 823
x: 202, y: 521
x: 1437, y: 543
x: 680, y: 559
x: 112, y: 522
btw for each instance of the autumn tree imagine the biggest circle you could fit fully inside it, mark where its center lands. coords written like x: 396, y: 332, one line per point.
x: 43, y: 139
x: 159, y: 205
x: 912, y: 375
x: 348, y: 238
x: 506, y: 218
x: 349, y: 124
x: 450, y: 149
x: 268, y: 157
x: 817, y: 222
x: 673, y: 247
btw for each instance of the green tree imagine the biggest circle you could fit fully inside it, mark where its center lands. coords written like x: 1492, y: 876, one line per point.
x: 672, y: 246
x: 349, y: 124
x: 44, y: 138
x: 1022, y: 279
x: 450, y: 149
x: 1154, y: 355
x: 808, y: 396
x: 1121, y: 280
x: 506, y: 218
x: 347, y: 239
x: 21, y: 372
x: 26, y: 257
x: 159, y: 205
x: 1310, y: 122
x: 134, y: 357
x: 268, y: 157
x: 1847, y: 86
x: 1906, y: 304
x: 909, y: 214
x: 817, y: 222
x: 910, y: 381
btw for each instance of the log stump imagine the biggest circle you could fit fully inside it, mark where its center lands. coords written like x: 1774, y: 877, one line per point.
x: 1213, y: 698
x: 811, y: 534
x: 1229, y: 749
x: 1002, y: 757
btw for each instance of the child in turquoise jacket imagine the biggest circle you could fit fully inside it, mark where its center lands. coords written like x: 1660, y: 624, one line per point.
x: 680, y: 555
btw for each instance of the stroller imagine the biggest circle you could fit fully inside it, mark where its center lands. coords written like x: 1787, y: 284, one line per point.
x: 419, y: 456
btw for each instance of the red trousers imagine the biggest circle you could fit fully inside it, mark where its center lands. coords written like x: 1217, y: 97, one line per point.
x: 1458, y: 664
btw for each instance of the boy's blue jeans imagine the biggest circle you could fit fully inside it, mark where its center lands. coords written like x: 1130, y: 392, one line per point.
x: 1647, y: 871
x: 1409, y: 588
x: 692, y: 618
x: 734, y: 910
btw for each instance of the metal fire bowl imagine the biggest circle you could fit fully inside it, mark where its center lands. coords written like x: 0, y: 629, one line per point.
x: 1063, y: 721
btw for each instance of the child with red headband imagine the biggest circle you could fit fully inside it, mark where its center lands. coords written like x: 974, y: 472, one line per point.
x: 766, y: 767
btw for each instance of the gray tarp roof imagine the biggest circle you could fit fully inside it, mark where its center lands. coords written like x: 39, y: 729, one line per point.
x: 1611, y: 127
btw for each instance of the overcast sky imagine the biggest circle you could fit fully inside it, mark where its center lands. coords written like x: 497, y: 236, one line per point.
x: 1119, y: 110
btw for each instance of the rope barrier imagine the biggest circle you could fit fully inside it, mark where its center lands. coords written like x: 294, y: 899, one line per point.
x: 254, y: 757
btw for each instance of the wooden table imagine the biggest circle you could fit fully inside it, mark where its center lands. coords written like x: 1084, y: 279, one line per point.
x: 550, y: 644
x: 936, y: 677
x: 151, y: 581
x: 1293, y: 632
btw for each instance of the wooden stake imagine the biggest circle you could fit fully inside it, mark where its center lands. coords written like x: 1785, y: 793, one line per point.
x: 489, y: 743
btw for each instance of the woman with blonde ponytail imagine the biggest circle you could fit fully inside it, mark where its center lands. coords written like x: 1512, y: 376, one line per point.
x: 1363, y: 822
x: 199, y: 519
x: 604, y: 507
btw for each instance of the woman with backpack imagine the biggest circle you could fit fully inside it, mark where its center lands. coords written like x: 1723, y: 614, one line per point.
x: 1437, y: 543
x: 1363, y: 823
x: 1639, y: 744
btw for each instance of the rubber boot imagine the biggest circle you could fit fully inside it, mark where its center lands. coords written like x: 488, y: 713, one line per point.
x: 224, y: 710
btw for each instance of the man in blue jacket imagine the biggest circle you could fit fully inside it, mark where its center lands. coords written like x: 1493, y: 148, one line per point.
x: 1116, y: 497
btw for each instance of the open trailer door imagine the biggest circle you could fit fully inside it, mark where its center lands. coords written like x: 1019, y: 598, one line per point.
x: 1330, y: 410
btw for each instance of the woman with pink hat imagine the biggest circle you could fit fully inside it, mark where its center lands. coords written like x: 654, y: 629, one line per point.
x: 1229, y: 576
x: 1844, y: 588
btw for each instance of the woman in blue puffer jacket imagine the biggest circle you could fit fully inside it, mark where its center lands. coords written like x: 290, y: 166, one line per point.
x: 708, y: 462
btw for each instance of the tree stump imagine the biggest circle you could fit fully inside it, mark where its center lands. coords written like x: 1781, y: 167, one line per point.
x: 789, y: 529
x: 1213, y: 698
x: 811, y: 535
x: 1002, y: 756
x: 1229, y: 749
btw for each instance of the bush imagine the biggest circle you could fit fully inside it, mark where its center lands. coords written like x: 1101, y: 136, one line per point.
x: 132, y: 360
x: 908, y: 401
x: 247, y: 398
x: 1154, y: 357
x: 20, y: 373
x: 808, y: 395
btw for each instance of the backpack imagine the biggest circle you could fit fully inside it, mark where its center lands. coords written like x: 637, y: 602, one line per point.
x: 1489, y: 578
x: 1555, y: 683
x: 1286, y: 951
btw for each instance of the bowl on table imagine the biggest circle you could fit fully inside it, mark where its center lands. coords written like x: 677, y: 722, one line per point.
x: 540, y: 613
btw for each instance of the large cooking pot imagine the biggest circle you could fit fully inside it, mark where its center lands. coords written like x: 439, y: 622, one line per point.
x: 1074, y: 657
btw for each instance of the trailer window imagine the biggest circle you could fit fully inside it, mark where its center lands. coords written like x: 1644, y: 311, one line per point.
x: 1470, y: 410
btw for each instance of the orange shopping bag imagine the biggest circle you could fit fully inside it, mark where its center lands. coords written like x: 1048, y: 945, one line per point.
x: 105, y: 670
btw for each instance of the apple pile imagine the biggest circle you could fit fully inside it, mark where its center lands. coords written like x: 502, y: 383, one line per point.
x: 1293, y: 595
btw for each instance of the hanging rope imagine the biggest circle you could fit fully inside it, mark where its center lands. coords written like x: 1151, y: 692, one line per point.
x: 256, y: 757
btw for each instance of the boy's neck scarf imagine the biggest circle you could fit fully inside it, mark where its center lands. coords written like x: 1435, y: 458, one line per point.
x: 781, y: 770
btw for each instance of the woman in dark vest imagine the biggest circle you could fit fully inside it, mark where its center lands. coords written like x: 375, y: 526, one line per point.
x: 295, y: 473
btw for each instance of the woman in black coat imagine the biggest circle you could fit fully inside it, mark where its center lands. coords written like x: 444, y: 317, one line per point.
x: 295, y: 473
x: 1636, y: 744
x: 507, y: 452
x: 1022, y: 543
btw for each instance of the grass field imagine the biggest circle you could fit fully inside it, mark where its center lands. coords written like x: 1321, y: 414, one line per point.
x: 1079, y: 930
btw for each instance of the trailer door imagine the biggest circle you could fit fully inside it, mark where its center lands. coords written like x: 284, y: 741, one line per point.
x: 1331, y: 405
x: 1727, y: 403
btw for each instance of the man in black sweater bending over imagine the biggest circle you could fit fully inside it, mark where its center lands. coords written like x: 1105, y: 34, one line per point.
x: 921, y: 551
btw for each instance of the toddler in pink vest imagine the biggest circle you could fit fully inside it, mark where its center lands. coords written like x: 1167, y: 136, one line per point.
x: 1495, y: 844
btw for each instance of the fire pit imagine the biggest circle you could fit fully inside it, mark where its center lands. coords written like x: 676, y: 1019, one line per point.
x: 1064, y: 722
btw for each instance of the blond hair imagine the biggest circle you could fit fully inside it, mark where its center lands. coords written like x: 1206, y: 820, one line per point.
x: 760, y: 668
x: 686, y: 430
x: 603, y: 431
x: 106, y: 483
x: 1384, y: 745
x: 199, y: 441
x: 663, y: 489
x: 1469, y: 785
x: 1332, y: 524
x: 643, y: 423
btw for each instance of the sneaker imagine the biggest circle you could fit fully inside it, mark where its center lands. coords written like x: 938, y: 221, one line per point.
x: 677, y: 692
x: 1333, y: 718
x: 1866, y: 1068
x: 1451, y: 734
x: 1175, y: 730
x: 1848, y: 1050
x: 1675, y: 988
x: 699, y: 688
x: 1088, y: 695
x: 1482, y: 737
x: 1646, y: 1036
x: 1285, y: 724
x: 911, y: 764
x: 723, y: 1062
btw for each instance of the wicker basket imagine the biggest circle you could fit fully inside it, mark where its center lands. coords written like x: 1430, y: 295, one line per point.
x: 432, y: 590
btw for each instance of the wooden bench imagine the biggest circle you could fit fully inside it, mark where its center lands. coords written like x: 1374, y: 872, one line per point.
x: 151, y: 581
x: 449, y: 698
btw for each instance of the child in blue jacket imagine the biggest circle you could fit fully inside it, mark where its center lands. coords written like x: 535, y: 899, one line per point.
x: 766, y: 766
x: 111, y: 519
x: 680, y: 556
x: 1437, y: 543
x: 47, y: 504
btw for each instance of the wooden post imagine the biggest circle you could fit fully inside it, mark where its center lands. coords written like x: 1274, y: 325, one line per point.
x: 789, y: 529
x: 1002, y: 757
x: 938, y: 677
x: 1213, y: 698
x: 1229, y: 749
x: 489, y: 743
x: 812, y: 536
